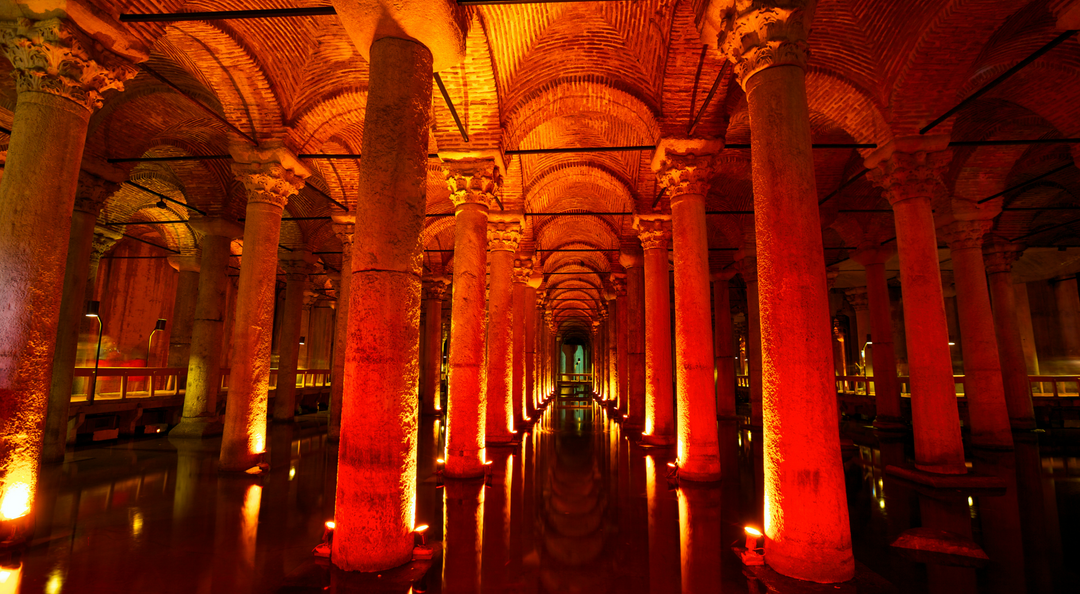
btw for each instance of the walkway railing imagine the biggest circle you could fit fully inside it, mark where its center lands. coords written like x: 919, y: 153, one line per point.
x: 121, y: 383
x: 1043, y: 386
x: 575, y: 377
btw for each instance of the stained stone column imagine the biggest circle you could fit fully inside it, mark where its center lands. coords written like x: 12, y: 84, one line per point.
x: 806, y: 522
x: 296, y: 267
x: 503, y: 239
x: 473, y: 185
x: 611, y: 346
x: 522, y: 273
x: 999, y: 256
x: 747, y: 266
x: 659, y: 420
x: 857, y: 299
x: 200, y: 417
x: 532, y: 386
x: 622, y: 356
x: 685, y: 168
x: 910, y: 171
x: 882, y: 351
x: 344, y: 225
x: 270, y: 175
x: 89, y: 198
x: 1027, y: 330
x: 58, y: 85
x: 632, y: 261
x: 723, y: 344
x: 1068, y: 307
x: 187, y: 292
x: 431, y: 392
x: 983, y: 386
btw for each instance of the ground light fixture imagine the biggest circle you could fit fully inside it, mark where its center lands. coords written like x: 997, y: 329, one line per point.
x: 323, y: 548
x: 159, y: 326
x: 751, y: 553
x: 422, y: 551
x: 93, y: 310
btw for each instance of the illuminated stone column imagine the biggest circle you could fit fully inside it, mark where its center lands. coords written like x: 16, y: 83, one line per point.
x: 344, y: 226
x: 58, y: 83
x: 618, y: 284
x: 187, y: 267
x: 270, y: 175
x: 200, y: 417
x: 910, y: 170
x: 723, y: 344
x: 655, y: 234
x: 434, y: 294
x: 296, y: 266
x: 806, y: 521
x: 1068, y: 307
x: 611, y: 345
x: 473, y: 185
x: 504, y: 235
x: 551, y: 353
x: 532, y: 387
x: 685, y: 169
x: 521, y: 275
x: 746, y: 259
x: 882, y: 351
x: 596, y: 350
x: 999, y: 256
x: 630, y: 257
x: 983, y: 387
x: 89, y: 198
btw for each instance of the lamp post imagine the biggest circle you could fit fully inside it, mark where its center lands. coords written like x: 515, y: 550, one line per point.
x: 158, y: 327
x: 92, y: 308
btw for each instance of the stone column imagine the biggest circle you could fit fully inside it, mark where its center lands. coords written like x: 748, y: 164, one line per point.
x: 611, y: 346
x: 522, y: 273
x: 685, y: 169
x: 806, y: 522
x: 89, y: 198
x: 270, y: 175
x: 187, y: 293
x: 632, y: 261
x: 659, y: 420
x: 747, y: 266
x: 857, y: 299
x: 910, y: 170
x: 473, y: 185
x: 503, y: 239
x: 723, y: 345
x: 297, y: 266
x: 376, y: 487
x: 1027, y: 330
x: 344, y: 225
x: 622, y: 356
x: 987, y: 411
x: 596, y: 355
x: 1068, y: 307
x: 999, y: 256
x: 200, y: 418
x: 432, y: 390
x: 58, y: 84
x: 532, y: 385
x: 882, y: 351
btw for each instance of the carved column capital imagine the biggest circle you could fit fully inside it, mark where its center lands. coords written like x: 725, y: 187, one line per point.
x: 760, y: 34
x: 52, y: 56
x: 654, y: 233
x: 503, y: 236
x: 684, y: 167
x: 104, y: 239
x: 910, y: 174
x: 269, y: 172
x: 871, y: 255
x: 523, y: 270
x: 960, y: 235
x: 187, y: 262
x: 618, y: 284
x: 1000, y: 254
x: 298, y: 266
x: 747, y: 266
x: 92, y: 193
x: 857, y: 298
x: 472, y: 181
x: 436, y: 289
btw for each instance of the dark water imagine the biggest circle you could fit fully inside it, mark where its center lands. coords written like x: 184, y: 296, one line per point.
x: 576, y: 507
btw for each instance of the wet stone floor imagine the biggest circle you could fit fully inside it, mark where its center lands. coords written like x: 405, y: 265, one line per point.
x: 575, y: 507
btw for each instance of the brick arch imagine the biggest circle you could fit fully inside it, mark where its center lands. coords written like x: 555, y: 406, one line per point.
x: 231, y: 71
x: 612, y: 192
x: 590, y: 230
x: 846, y: 105
x: 321, y: 120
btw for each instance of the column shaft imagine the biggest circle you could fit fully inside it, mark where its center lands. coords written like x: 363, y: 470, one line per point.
x: 289, y: 341
x: 882, y: 352
x: 659, y: 418
x: 518, y: 355
x: 432, y: 390
x: 635, y: 343
x: 531, y: 383
x: 341, y: 330
x: 1068, y: 307
x: 1014, y: 372
x: 723, y: 347
x: 500, y: 411
x: 187, y: 293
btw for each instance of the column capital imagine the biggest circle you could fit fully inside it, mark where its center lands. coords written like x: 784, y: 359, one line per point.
x: 472, y: 181
x: 684, y: 166
x: 857, y: 298
x: 759, y: 34
x: 436, y: 289
x: 217, y: 226
x: 653, y: 231
x: 746, y: 264
x: 523, y: 270
x: 831, y: 272
x: 270, y: 173
x: 960, y: 235
x: 723, y: 275
x: 911, y: 167
x: 344, y: 231
x: 92, y: 193
x: 104, y: 239
x: 999, y: 254
x: 503, y: 236
x: 189, y: 262
x: 869, y: 255
x: 618, y: 284
x: 298, y: 264
x: 52, y: 56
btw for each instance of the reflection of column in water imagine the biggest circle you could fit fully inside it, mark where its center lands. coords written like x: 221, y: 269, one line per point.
x: 664, y: 569
x: 1038, y: 551
x: 497, y: 521
x: 517, y: 486
x: 1000, y: 515
x: 637, y: 523
x: 235, y: 531
x: 463, y: 520
x: 896, y: 504
x: 699, y: 538
x: 428, y: 497
x: 950, y: 513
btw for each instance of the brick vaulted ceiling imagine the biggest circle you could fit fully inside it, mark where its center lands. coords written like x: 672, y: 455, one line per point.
x: 580, y: 74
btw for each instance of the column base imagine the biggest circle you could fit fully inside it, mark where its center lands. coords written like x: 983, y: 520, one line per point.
x: 197, y: 428
x: 658, y: 441
x: 1023, y: 424
x: 499, y: 440
x: 699, y: 477
x: 965, y: 482
x: 884, y: 423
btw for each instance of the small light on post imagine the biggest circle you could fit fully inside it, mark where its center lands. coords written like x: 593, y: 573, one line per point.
x: 421, y: 551
x: 302, y: 339
x: 751, y: 553
x: 93, y: 309
x: 324, y: 548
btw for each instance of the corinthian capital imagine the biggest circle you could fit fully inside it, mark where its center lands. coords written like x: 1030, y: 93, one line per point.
x: 52, y: 56
x: 269, y: 172
x: 999, y: 254
x: 910, y: 168
x: 960, y: 235
x: 92, y: 193
x: 472, y: 181
x: 654, y: 233
x: 503, y: 236
x: 684, y: 167
x: 523, y: 270
x: 759, y: 34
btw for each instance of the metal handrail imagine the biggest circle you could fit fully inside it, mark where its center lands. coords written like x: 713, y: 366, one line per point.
x: 170, y: 384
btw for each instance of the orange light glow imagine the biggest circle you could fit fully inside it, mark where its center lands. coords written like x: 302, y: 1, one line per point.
x: 420, y: 528
x: 753, y: 532
x: 16, y: 501
x: 441, y: 461
x: 672, y: 464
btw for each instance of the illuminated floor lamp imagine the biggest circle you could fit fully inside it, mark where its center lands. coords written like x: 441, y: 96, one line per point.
x: 92, y: 308
x: 158, y: 327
